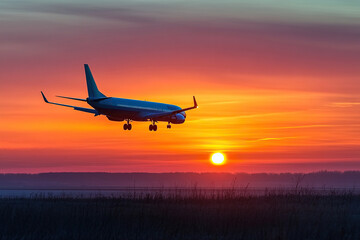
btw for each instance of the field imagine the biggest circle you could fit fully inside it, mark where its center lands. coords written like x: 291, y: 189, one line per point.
x: 227, y: 214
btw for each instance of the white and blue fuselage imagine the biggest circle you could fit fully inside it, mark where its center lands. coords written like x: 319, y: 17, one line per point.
x: 120, y: 109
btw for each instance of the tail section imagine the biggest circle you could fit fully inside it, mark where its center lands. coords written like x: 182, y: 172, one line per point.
x: 93, y: 91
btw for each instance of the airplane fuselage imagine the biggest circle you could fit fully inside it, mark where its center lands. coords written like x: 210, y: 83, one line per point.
x: 120, y: 109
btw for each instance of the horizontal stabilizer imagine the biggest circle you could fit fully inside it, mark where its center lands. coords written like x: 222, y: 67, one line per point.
x: 77, y: 99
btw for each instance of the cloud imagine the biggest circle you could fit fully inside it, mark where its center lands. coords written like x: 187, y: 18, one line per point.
x: 345, y: 104
x: 255, y: 53
x: 87, y: 10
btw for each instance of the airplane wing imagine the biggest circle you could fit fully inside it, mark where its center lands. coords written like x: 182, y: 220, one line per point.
x: 88, y: 110
x: 165, y: 114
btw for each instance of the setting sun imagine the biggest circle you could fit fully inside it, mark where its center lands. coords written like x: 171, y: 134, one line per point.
x: 218, y: 158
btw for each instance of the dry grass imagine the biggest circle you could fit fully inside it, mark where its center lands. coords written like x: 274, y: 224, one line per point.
x: 225, y: 214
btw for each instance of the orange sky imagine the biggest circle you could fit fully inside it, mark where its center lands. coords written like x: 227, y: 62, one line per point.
x: 278, y: 95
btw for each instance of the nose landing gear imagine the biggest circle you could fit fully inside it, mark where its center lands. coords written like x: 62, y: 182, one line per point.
x: 168, y: 126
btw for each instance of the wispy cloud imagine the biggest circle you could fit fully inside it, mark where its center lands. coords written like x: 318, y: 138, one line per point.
x: 202, y: 119
x: 274, y: 138
x: 220, y: 103
x: 307, y: 126
x: 346, y: 104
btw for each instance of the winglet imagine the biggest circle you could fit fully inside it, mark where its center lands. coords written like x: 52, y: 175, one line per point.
x: 44, y: 97
x: 195, y: 103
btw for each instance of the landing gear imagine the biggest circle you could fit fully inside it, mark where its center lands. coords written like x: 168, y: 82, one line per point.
x: 153, y: 127
x: 168, y: 126
x: 127, y: 126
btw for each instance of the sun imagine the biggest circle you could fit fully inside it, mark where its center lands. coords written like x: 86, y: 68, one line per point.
x: 218, y: 158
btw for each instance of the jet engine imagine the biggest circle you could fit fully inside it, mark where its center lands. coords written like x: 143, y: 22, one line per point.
x: 177, y: 118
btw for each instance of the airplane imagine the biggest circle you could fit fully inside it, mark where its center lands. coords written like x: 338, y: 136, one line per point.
x: 121, y: 109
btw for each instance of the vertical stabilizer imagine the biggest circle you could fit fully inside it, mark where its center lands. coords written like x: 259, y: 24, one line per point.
x: 93, y: 91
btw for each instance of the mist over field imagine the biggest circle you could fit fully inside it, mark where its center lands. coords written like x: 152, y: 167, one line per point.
x: 349, y: 179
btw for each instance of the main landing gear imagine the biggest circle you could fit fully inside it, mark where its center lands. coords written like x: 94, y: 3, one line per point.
x: 153, y: 126
x: 127, y: 126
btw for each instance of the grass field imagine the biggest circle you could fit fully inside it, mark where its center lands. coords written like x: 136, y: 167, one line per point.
x: 229, y: 215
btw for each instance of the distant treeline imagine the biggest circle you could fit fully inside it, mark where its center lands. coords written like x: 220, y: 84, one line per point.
x: 348, y: 179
